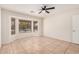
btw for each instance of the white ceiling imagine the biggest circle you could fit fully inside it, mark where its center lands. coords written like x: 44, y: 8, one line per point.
x: 33, y: 9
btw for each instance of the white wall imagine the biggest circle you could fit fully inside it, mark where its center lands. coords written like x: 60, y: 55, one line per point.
x: 59, y: 26
x: 0, y: 27
x: 6, y: 26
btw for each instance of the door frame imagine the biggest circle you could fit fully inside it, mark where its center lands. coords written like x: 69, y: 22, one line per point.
x: 0, y: 27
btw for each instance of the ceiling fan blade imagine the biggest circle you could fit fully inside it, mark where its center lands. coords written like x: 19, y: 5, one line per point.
x: 40, y: 11
x: 50, y: 8
x: 47, y: 11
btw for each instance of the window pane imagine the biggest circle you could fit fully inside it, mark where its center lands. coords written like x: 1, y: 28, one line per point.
x: 24, y: 26
x: 35, y: 26
x: 12, y: 26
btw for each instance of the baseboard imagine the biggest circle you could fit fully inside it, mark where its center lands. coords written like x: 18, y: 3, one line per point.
x: 57, y: 39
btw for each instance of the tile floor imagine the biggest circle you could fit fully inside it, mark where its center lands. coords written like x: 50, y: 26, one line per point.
x: 39, y: 45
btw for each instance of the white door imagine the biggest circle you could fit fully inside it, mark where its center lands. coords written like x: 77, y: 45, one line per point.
x: 75, y: 29
x: 0, y: 27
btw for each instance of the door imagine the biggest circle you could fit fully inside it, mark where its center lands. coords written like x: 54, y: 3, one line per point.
x: 75, y: 29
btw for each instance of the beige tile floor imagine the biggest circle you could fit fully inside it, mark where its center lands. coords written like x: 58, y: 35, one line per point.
x: 39, y: 45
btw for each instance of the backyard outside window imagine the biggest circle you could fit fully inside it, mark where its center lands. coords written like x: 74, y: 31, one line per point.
x: 35, y: 26
x: 12, y: 26
x: 24, y: 26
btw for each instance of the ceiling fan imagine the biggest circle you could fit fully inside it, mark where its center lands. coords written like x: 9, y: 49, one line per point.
x: 44, y: 8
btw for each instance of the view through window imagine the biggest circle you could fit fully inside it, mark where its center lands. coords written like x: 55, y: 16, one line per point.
x: 24, y: 26
x: 12, y: 26
x: 35, y: 26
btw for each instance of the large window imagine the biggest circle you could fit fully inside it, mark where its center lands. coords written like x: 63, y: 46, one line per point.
x: 24, y: 26
x: 12, y: 26
x: 35, y: 26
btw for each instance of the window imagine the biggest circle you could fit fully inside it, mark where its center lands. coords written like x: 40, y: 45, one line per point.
x: 24, y: 26
x: 12, y: 26
x: 35, y: 26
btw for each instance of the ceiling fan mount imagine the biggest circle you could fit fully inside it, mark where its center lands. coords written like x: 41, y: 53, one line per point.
x: 45, y: 8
